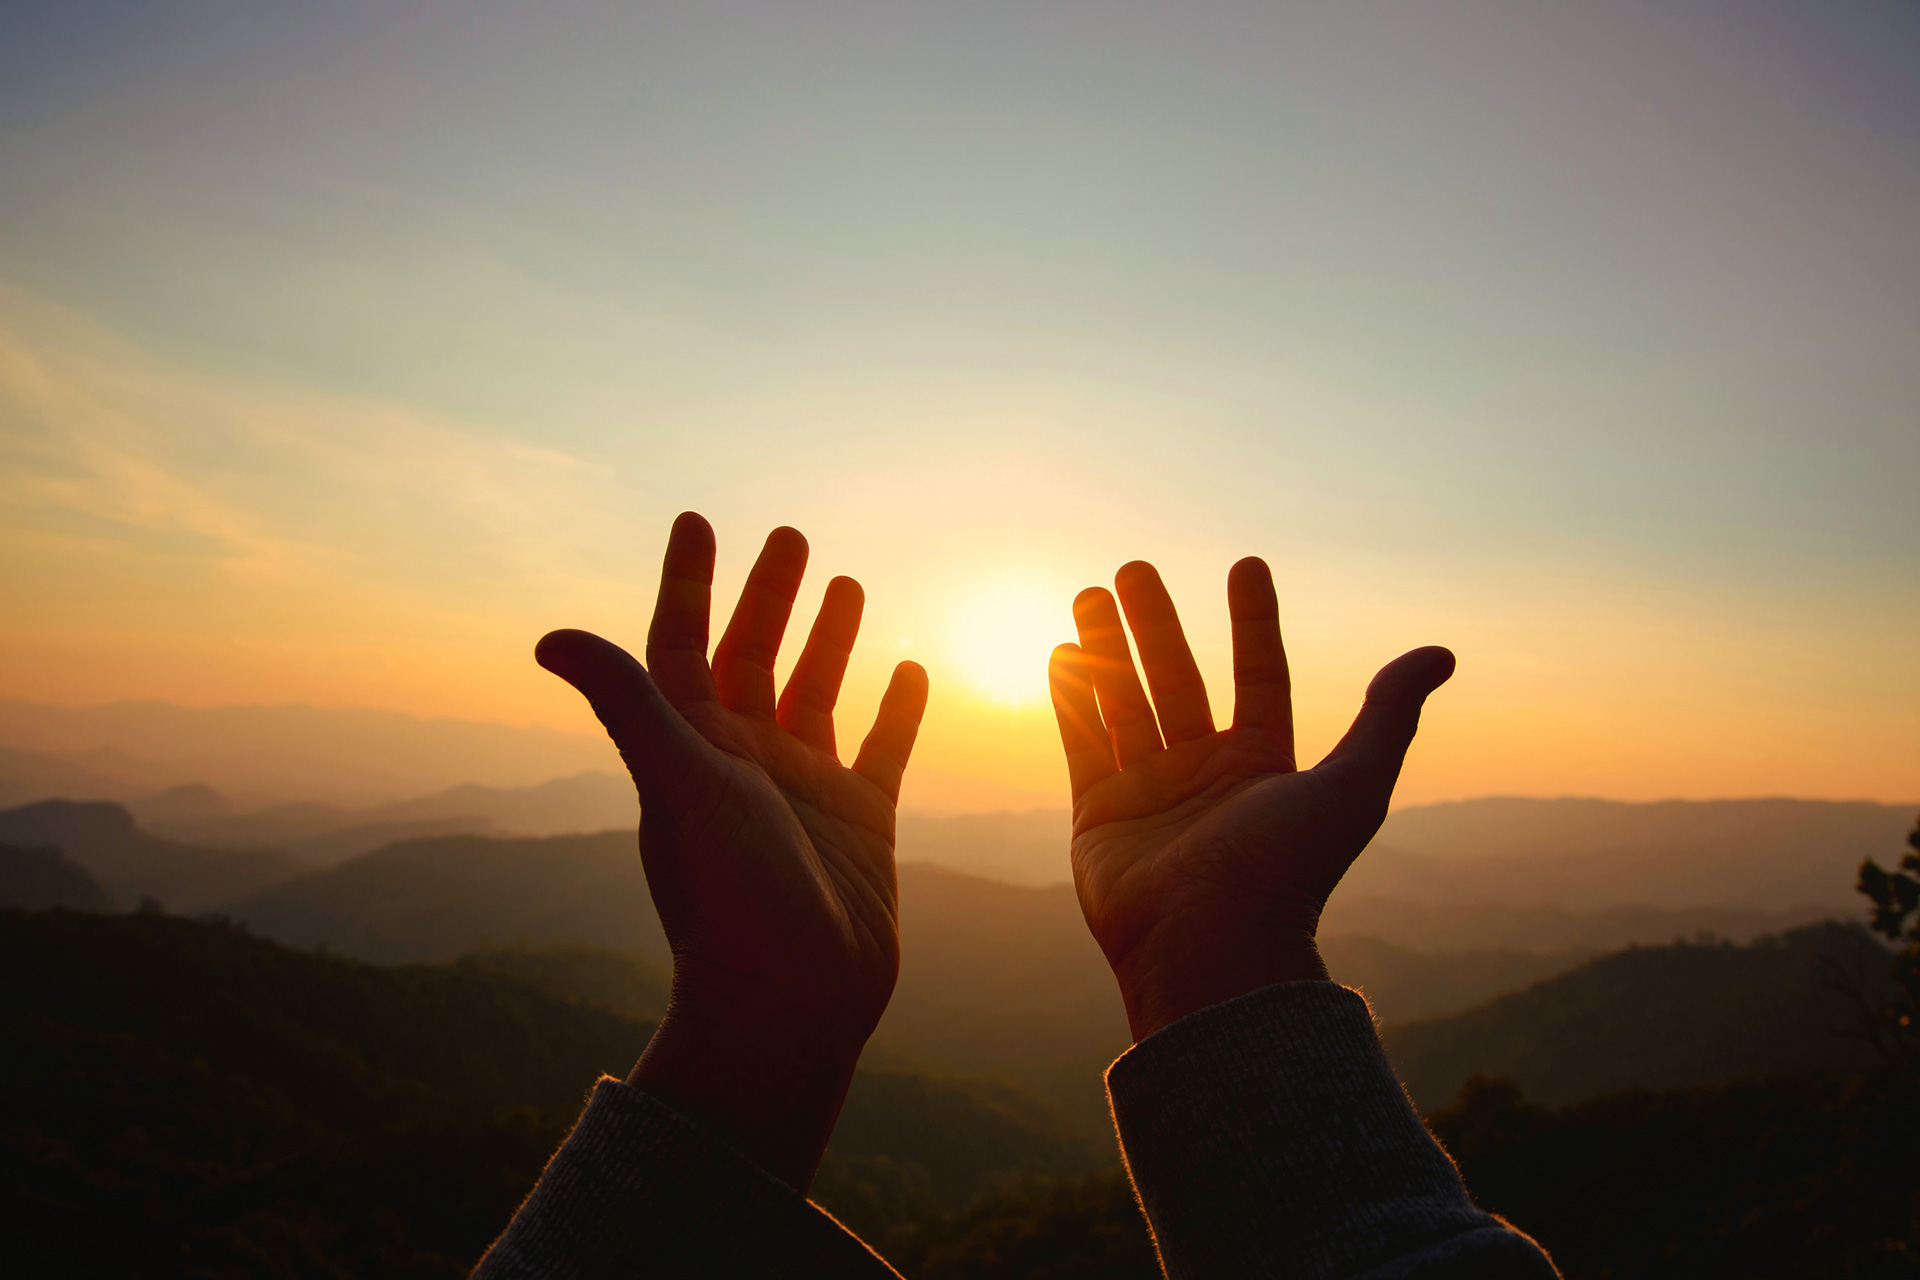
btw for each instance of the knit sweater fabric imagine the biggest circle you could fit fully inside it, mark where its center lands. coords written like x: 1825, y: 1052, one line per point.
x: 1266, y: 1137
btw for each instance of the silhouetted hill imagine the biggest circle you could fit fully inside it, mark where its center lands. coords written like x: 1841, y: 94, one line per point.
x: 616, y: 980
x: 318, y: 835
x: 969, y: 1000
x: 1789, y: 1178
x: 966, y: 1000
x: 34, y: 878
x: 438, y: 898
x: 327, y: 834
x: 131, y: 864
x: 1430, y: 927
x: 232, y: 1106
x: 1760, y: 856
x: 1657, y: 1018
x: 1403, y: 984
x: 1757, y: 854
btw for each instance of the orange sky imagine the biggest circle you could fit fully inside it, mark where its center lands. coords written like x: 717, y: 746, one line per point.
x: 342, y: 355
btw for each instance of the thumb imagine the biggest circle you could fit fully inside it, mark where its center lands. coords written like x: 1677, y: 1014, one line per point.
x: 661, y: 750
x: 1377, y: 743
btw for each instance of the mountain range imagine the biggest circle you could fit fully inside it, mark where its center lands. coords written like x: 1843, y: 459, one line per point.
x: 325, y: 784
x: 132, y: 864
x: 235, y: 1107
x: 348, y: 756
x: 1671, y: 1017
x: 967, y: 999
x: 1767, y: 858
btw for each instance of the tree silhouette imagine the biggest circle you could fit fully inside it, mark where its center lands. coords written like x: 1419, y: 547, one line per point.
x: 1896, y: 917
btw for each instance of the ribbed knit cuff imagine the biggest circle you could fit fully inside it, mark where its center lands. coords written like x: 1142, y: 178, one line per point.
x: 1268, y: 1137
x: 639, y: 1188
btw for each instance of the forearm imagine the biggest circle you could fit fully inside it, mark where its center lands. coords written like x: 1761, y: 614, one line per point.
x: 1172, y: 977
x: 771, y: 1086
x: 640, y: 1188
x: 1268, y: 1137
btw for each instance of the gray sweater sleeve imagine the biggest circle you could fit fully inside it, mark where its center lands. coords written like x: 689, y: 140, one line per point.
x: 1268, y: 1137
x: 639, y: 1189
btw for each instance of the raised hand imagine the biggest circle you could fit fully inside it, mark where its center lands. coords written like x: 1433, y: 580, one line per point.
x: 1203, y: 857
x: 770, y: 862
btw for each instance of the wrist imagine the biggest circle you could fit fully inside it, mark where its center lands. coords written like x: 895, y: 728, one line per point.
x: 770, y: 1082
x: 1160, y: 984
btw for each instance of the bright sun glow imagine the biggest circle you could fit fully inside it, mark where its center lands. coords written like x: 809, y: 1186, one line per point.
x: 1003, y: 633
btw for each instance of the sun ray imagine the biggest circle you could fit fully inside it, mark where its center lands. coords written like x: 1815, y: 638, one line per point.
x: 1003, y: 631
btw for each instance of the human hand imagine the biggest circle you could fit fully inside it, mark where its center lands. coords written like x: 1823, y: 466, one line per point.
x: 770, y: 862
x: 1203, y: 857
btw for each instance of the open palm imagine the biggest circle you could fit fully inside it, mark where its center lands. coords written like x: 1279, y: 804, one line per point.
x: 770, y: 862
x: 1203, y: 857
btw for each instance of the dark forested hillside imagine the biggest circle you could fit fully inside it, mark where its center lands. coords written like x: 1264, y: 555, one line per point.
x: 235, y: 1107
x: 437, y: 898
x: 1659, y: 1017
x: 1447, y: 927
x: 616, y: 980
x: 966, y: 1002
x: 132, y: 864
x: 1789, y: 1178
x: 36, y: 877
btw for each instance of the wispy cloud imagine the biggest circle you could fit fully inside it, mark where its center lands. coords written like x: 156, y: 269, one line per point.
x: 105, y: 443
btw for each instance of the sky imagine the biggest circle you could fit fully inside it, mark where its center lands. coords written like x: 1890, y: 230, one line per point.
x: 346, y: 348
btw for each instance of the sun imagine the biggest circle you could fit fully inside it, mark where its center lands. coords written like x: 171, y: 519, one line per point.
x: 1002, y: 633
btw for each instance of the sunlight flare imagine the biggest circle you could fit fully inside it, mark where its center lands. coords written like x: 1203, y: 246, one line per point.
x: 1002, y: 633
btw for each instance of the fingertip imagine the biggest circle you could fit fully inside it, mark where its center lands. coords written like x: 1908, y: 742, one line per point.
x: 1134, y: 572
x: 788, y: 539
x: 843, y: 587
x: 691, y: 533
x: 1416, y: 673
x: 907, y: 691
x: 1067, y: 655
x: 1250, y: 593
x: 690, y: 548
x: 1427, y: 668
x: 558, y: 651
x: 1093, y: 599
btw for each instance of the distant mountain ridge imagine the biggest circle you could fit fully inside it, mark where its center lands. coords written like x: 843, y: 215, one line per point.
x: 1765, y: 856
x: 1444, y: 926
x: 1769, y: 854
x: 352, y: 756
x: 967, y: 998
x: 132, y: 864
x: 327, y: 834
x: 1669, y: 1017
